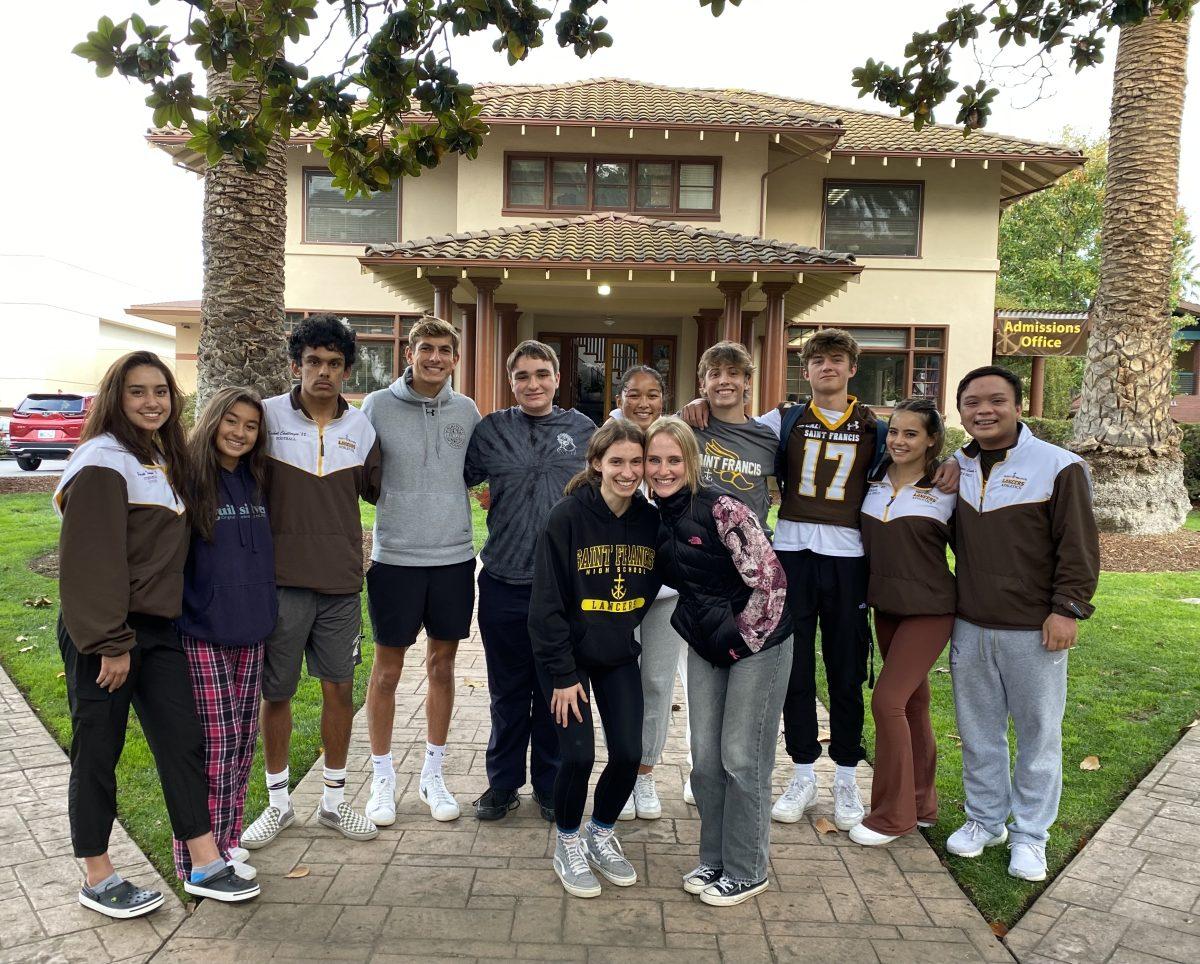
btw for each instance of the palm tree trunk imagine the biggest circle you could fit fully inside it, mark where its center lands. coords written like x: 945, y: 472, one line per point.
x: 1124, y: 425
x: 242, y: 307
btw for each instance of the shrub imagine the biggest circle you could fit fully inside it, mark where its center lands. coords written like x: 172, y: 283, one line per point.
x: 1054, y: 430
x: 1191, y: 461
x: 955, y: 439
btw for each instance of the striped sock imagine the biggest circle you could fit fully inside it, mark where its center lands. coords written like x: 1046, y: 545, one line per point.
x: 277, y: 790
x: 335, y: 789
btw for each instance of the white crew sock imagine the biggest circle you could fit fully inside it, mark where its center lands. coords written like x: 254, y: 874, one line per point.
x: 277, y: 790
x: 335, y: 789
x: 433, y: 761
x: 805, y: 773
x: 846, y: 776
x: 383, y: 765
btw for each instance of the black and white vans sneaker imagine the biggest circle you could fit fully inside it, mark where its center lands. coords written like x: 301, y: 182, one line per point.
x: 703, y: 876
x: 225, y: 886
x: 726, y: 892
x: 123, y: 900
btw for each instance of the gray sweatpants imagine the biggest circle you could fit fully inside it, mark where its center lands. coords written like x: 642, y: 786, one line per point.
x: 1000, y: 674
x: 662, y: 648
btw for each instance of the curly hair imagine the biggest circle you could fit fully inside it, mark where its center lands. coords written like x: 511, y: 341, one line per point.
x: 322, y: 331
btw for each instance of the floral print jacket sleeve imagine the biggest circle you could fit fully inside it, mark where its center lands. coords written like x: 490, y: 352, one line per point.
x: 759, y: 567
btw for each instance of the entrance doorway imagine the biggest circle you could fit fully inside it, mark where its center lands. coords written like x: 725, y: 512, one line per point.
x: 592, y: 366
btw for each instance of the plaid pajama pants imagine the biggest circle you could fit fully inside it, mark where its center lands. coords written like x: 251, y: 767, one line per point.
x: 226, y: 681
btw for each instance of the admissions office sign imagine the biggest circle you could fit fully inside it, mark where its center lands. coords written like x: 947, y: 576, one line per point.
x: 1041, y: 333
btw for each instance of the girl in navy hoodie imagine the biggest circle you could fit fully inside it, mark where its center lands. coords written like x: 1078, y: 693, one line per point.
x: 593, y: 580
x: 229, y: 604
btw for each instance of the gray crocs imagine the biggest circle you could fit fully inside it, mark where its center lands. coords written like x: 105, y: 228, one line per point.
x: 123, y: 900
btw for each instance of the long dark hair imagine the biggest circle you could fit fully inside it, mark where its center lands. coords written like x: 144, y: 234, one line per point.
x: 107, y: 417
x: 935, y: 428
x: 205, y: 474
x: 605, y: 437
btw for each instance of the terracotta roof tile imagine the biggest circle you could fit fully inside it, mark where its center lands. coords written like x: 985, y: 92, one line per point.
x: 611, y: 238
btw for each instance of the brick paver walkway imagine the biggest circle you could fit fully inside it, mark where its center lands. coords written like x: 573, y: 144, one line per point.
x: 1132, y: 895
x: 40, y: 919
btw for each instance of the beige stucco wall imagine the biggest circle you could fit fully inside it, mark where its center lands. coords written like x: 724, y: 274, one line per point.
x: 187, y: 345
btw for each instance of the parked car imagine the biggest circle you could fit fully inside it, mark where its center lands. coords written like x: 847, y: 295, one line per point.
x: 47, y: 427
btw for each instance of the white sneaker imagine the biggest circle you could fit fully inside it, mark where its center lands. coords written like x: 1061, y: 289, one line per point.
x: 861, y: 834
x: 645, y: 797
x: 971, y: 838
x: 629, y: 811
x: 381, y: 804
x: 798, y: 797
x: 688, y: 796
x: 442, y: 804
x: 242, y: 869
x: 239, y: 854
x: 1027, y: 861
x: 847, y: 805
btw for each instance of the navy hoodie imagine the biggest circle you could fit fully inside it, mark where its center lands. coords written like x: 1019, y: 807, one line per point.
x: 229, y: 583
x: 593, y: 579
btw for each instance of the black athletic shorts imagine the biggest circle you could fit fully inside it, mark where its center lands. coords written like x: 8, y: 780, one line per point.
x: 402, y: 599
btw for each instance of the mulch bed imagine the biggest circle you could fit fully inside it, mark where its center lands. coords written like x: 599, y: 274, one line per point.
x: 1176, y: 552
x: 12, y: 484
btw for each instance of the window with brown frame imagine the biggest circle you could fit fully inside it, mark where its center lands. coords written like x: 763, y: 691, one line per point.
x: 873, y: 218
x: 379, y: 345
x: 895, y: 362
x: 329, y: 218
x: 646, y: 185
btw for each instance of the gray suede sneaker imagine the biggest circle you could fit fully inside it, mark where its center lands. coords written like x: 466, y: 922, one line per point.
x: 605, y: 854
x: 571, y: 865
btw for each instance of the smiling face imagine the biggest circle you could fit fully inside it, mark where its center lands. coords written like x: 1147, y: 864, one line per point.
x: 988, y: 408
x: 146, y: 398
x: 433, y: 361
x: 642, y: 400
x: 666, y: 467
x: 620, y: 470
x: 908, y: 441
x: 829, y: 372
x: 321, y: 372
x: 534, y: 382
x: 236, y: 434
x: 725, y: 387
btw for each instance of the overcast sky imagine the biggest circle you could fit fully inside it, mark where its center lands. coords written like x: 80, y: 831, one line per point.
x: 83, y: 186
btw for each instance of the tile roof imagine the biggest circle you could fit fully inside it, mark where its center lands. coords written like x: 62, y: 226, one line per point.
x: 868, y: 130
x: 610, y: 238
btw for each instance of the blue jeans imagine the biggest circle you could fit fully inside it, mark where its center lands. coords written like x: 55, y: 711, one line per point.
x: 735, y: 714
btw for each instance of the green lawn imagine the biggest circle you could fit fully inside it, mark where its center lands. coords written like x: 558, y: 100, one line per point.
x: 1193, y: 520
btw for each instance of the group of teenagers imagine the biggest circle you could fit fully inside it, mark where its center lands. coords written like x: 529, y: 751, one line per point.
x: 200, y: 571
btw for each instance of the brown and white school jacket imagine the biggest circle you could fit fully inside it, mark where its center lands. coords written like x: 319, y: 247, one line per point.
x: 1026, y: 542
x: 317, y: 475
x: 905, y: 532
x: 123, y: 545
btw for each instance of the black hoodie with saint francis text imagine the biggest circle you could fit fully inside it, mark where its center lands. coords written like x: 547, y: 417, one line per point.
x: 593, y: 580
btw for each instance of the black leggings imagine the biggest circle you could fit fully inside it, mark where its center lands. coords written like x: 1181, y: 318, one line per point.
x: 618, y: 695
x: 160, y: 690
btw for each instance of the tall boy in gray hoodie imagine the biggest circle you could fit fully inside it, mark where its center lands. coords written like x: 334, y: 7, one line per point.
x: 423, y: 558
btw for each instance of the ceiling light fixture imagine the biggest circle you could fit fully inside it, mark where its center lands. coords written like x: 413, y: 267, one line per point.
x: 604, y: 290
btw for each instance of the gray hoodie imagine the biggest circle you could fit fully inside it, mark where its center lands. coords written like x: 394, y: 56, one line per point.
x: 423, y: 516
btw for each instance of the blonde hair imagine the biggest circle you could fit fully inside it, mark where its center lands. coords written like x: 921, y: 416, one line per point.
x: 725, y: 353
x: 605, y: 437
x: 427, y: 326
x: 685, y: 438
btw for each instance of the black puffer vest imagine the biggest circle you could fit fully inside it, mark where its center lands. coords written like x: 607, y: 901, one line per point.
x: 711, y: 591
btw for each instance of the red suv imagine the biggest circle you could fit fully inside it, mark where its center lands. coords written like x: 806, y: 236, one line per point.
x: 47, y: 427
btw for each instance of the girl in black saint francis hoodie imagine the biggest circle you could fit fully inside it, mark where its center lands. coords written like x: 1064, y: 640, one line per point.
x: 229, y: 603
x: 593, y: 580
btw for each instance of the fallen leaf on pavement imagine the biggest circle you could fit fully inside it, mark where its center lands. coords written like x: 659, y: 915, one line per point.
x: 473, y: 683
x: 825, y: 825
x: 296, y: 872
x: 1192, y: 724
x: 823, y: 736
x: 1090, y: 763
x: 998, y: 928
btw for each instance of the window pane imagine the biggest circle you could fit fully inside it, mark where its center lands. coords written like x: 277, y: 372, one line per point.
x: 570, y: 184
x: 929, y: 338
x: 291, y: 319
x: 330, y: 217
x: 798, y: 334
x: 612, y: 184
x: 372, y: 368
x: 527, y: 181
x: 797, y: 384
x: 881, y: 219
x: 371, y: 324
x: 881, y: 337
x: 406, y: 324
x: 654, y: 185
x: 697, y: 186
x: 880, y: 379
x: 927, y: 376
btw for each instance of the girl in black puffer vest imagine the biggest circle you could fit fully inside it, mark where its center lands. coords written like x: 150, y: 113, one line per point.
x: 732, y: 612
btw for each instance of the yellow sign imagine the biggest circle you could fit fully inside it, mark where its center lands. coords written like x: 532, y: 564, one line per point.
x: 1040, y: 336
